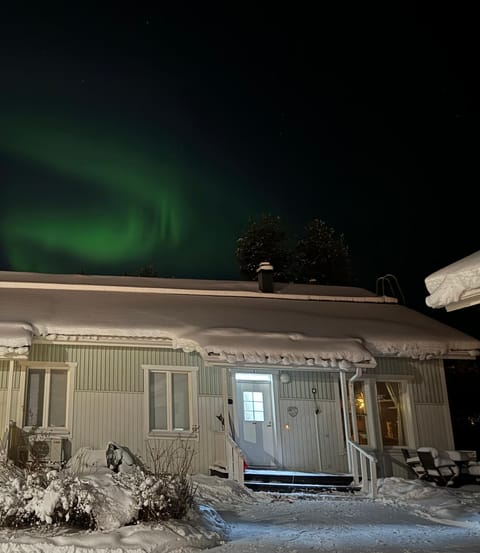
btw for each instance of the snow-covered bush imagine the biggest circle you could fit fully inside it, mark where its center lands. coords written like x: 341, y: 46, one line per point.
x: 103, y: 499
x: 166, y: 490
x: 158, y: 498
x: 46, y: 497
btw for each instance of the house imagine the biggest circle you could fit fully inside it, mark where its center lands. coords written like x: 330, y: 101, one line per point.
x: 257, y: 370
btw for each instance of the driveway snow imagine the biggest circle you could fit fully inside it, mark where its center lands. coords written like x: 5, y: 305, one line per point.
x: 409, y: 516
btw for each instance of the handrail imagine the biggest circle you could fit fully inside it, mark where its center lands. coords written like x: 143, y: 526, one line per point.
x: 369, y: 485
x: 235, y: 459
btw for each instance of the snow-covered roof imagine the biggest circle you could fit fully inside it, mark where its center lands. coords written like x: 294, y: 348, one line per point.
x: 455, y: 286
x: 234, y: 287
x: 291, y: 329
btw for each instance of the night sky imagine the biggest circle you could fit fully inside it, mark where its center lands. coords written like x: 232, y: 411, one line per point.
x: 132, y: 136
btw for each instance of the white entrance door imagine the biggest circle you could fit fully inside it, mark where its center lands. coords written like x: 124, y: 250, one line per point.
x: 255, y: 422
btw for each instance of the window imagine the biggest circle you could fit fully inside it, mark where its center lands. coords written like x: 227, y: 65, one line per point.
x: 390, y: 413
x: 361, y: 412
x: 46, y: 397
x: 390, y: 397
x: 170, y: 400
x: 253, y: 407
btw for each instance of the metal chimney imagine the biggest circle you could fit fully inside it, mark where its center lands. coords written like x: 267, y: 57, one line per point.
x: 265, y: 277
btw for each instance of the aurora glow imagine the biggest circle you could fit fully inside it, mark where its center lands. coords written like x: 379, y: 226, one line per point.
x: 147, y: 197
x: 132, y: 137
x: 107, y: 204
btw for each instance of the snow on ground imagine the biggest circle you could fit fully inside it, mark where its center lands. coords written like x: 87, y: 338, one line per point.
x: 408, y: 516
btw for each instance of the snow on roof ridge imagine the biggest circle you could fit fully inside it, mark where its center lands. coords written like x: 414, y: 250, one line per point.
x: 32, y: 285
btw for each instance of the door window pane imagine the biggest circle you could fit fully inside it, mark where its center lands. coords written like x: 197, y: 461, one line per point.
x: 57, y: 410
x: 253, y: 406
x: 158, y: 401
x: 35, y: 395
x: 390, y: 413
x: 181, y: 415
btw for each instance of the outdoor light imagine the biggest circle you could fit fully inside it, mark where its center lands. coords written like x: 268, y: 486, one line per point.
x: 284, y: 378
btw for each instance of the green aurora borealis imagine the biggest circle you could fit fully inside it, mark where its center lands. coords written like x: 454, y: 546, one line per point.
x: 107, y: 206
x: 131, y: 136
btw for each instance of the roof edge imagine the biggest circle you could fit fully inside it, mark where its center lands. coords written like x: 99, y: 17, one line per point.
x: 190, y: 292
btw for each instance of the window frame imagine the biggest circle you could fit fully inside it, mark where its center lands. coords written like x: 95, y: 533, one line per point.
x: 374, y: 430
x: 168, y: 370
x: 48, y: 367
x: 253, y: 410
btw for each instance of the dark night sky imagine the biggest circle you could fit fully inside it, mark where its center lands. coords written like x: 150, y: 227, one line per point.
x: 133, y: 136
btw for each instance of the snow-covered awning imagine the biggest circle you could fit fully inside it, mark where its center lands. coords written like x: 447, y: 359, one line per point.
x: 455, y: 286
x: 294, y: 329
x: 15, y: 338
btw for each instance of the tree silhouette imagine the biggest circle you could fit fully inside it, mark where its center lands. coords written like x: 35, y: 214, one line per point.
x: 320, y: 255
x: 265, y: 239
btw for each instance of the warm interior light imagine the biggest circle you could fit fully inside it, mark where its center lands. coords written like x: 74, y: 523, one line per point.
x: 360, y: 402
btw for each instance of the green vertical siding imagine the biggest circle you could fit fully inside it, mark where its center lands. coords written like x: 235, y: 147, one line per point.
x: 427, y: 376
x: 117, y: 368
x: 48, y: 352
x: 392, y: 366
x: 4, y: 374
x: 428, y: 386
x: 210, y: 381
x: 302, y: 382
x: 4, y: 369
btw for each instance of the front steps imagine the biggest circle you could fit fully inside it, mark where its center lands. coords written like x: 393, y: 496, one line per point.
x: 298, y: 482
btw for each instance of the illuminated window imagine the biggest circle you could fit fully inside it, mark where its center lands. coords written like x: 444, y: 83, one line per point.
x: 253, y: 410
x: 389, y: 401
x: 361, y: 412
x: 46, y: 398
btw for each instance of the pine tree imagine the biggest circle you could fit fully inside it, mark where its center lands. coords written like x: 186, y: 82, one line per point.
x: 265, y: 239
x: 321, y: 256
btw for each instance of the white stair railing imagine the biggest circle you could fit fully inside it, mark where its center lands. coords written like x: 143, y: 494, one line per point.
x: 235, y: 460
x: 366, y: 473
x: 228, y: 456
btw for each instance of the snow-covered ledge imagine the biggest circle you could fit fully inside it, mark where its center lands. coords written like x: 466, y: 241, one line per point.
x: 455, y: 286
x: 16, y: 339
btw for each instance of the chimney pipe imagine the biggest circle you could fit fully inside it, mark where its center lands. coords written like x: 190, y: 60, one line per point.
x: 265, y: 277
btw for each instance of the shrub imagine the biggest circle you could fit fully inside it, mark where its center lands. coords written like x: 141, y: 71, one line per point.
x: 168, y: 490
x: 31, y: 497
x: 34, y: 495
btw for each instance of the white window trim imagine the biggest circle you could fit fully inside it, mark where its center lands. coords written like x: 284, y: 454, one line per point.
x: 192, y: 396
x: 374, y: 433
x: 47, y: 366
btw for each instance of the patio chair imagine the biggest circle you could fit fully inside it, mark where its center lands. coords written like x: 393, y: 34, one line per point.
x: 439, y: 468
x: 473, y: 471
x: 413, y: 463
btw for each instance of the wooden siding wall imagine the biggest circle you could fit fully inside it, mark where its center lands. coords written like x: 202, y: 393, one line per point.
x: 299, y: 440
x: 109, y: 402
x: 208, y: 409
x: 299, y: 446
x: 3, y: 411
x: 431, y: 412
x: 109, y: 387
x: 300, y: 436
x: 302, y: 382
x: 4, y: 416
x: 4, y: 365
